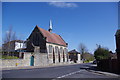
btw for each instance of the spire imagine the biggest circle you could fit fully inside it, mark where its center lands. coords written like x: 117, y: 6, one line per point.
x: 50, y: 26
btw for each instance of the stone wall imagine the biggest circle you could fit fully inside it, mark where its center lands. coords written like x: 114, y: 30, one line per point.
x: 12, y: 62
x: 17, y: 62
x: 41, y: 59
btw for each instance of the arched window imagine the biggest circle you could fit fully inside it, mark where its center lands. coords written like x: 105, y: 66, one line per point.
x: 56, y: 49
x: 61, y: 50
x: 50, y: 48
x: 65, y: 50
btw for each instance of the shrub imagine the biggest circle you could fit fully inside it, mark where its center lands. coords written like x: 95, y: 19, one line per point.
x: 101, y: 53
x: 9, y: 57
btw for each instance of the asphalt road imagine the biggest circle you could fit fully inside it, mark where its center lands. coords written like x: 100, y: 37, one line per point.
x: 69, y: 71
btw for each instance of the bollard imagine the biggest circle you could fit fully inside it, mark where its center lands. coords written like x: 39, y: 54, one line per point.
x: 16, y: 64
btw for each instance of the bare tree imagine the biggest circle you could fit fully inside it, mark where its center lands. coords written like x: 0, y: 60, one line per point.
x: 9, y: 36
x: 14, y: 37
x: 83, y: 49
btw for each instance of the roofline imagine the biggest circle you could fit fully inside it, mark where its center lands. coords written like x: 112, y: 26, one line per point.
x: 39, y: 31
x: 57, y: 44
x: 31, y: 32
x: 62, y: 38
x: 15, y: 41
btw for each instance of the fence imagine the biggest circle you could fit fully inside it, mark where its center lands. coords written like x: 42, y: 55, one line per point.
x: 110, y: 65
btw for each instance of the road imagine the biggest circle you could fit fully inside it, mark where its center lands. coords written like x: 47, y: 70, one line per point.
x: 69, y: 71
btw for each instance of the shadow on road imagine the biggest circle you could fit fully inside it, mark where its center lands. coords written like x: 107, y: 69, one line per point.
x: 91, y: 66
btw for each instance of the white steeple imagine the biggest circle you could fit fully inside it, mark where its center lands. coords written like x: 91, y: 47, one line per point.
x: 50, y: 26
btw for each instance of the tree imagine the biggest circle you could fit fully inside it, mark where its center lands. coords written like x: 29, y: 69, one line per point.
x: 101, y: 53
x: 83, y: 49
x: 9, y: 36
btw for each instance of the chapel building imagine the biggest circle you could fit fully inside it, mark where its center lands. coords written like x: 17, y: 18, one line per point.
x: 45, y: 42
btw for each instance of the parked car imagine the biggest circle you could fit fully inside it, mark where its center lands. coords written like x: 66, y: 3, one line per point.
x: 94, y: 62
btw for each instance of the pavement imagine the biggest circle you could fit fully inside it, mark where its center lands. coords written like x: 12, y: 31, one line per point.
x: 92, y: 68
x: 104, y: 73
x: 32, y: 67
x: 63, y: 71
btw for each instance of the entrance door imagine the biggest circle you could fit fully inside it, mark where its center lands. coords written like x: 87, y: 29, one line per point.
x: 32, y: 61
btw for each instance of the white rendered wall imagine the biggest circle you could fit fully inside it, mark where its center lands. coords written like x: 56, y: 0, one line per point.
x: 50, y: 55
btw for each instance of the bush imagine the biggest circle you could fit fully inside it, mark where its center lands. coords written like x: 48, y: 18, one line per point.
x: 9, y: 57
x: 101, y: 53
x: 86, y: 61
x: 87, y: 56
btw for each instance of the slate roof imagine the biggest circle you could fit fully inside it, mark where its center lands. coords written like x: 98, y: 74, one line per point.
x: 52, y: 37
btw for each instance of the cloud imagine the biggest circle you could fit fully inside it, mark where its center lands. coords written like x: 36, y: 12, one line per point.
x: 63, y: 4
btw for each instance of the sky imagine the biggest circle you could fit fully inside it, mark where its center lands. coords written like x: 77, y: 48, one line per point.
x: 89, y: 23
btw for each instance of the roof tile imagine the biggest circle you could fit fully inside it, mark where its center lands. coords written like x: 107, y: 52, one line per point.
x: 52, y: 37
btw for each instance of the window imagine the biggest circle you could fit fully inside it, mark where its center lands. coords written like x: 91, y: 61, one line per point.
x: 65, y: 50
x: 56, y: 49
x: 61, y: 50
x: 50, y: 48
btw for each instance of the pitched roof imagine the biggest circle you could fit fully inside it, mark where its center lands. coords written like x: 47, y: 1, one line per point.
x: 73, y: 51
x: 52, y: 37
x: 20, y: 41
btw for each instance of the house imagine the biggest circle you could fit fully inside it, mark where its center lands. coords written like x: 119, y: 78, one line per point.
x: 45, y: 42
x: 14, y: 46
x: 74, y: 56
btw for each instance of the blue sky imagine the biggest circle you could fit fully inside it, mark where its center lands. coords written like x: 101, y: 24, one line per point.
x: 89, y: 23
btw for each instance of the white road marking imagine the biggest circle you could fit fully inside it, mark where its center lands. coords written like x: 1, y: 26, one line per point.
x: 69, y: 74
